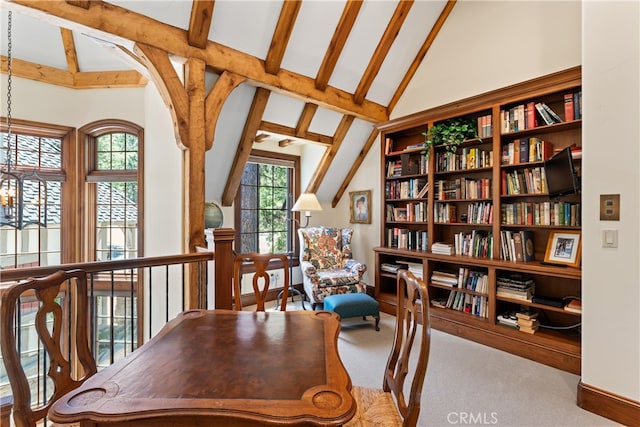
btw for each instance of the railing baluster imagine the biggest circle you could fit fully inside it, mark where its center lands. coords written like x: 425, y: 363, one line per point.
x: 132, y: 310
x: 150, y: 295
x: 184, y: 290
x: 111, y: 318
x: 166, y: 294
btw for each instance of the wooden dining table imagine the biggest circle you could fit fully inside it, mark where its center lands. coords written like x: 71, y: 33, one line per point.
x: 222, y: 367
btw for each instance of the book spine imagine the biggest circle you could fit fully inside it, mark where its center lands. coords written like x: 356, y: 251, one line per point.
x: 568, y: 107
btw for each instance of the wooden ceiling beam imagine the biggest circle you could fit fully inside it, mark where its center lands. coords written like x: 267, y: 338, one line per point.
x: 289, y: 131
x: 200, y: 23
x: 281, y: 36
x: 354, y: 167
x: 215, y: 100
x: 82, y: 80
x: 421, y: 54
x: 339, y: 39
x: 243, y: 151
x: 329, y: 154
x: 304, y: 121
x: 70, y: 50
x: 122, y: 23
x: 384, y: 45
x: 170, y: 87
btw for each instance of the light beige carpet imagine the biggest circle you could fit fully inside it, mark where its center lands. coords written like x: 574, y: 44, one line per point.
x: 468, y: 384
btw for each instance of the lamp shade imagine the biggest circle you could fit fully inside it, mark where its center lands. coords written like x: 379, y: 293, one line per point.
x: 307, y: 202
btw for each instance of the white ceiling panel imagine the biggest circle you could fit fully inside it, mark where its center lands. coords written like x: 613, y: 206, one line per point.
x: 414, y: 32
x: 314, y: 28
x: 369, y: 27
x: 33, y: 40
x: 325, y: 121
x: 282, y: 110
x: 176, y: 13
x: 97, y: 55
x: 246, y: 26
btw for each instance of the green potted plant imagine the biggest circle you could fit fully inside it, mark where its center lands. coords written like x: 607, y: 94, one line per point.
x: 450, y: 133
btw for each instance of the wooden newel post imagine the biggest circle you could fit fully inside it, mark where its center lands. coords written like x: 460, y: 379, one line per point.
x: 223, y: 267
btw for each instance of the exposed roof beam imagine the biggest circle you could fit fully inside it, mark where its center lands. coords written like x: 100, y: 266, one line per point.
x: 281, y: 36
x: 170, y: 87
x: 356, y: 164
x: 82, y: 80
x: 70, y: 50
x: 329, y: 154
x: 421, y: 53
x: 304, y: 121
x: 339, y: 39
x: 289, y: 131
x: 243, y: 151
x: 125, y: 24
x: 215, y: 100
x: 200, y: 22
x: 385, y: 43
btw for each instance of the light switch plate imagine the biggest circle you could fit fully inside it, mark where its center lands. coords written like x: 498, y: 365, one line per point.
x: 609, y: 238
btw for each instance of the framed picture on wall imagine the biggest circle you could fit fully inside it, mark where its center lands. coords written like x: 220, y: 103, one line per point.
x: 564, y: 247
x: 360, y: 206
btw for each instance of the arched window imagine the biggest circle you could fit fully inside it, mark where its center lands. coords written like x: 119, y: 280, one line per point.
x: 113, y: 176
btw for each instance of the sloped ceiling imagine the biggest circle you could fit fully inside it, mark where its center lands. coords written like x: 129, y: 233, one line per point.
x: 329, y: 70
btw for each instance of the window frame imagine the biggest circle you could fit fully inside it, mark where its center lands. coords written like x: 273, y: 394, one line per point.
x: 274, y: 158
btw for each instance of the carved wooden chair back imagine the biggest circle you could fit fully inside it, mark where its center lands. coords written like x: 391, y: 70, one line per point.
x: 261, y: 280
x: 61, y: 324
x: 412, y: 335
x: 390, y: 406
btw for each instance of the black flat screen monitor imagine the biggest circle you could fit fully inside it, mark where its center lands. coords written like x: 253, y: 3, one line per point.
x: 560, y: 174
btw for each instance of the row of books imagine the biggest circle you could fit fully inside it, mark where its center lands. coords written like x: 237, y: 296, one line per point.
x: 526, y: 150
x: 517, y: 246
x: 485, y: 126
x: 528, y: 115
x: 415, y: 188
x: 407, y: 164
x: 476, y: 305
x: 524, y: 181
x: 477, y: 243
x: 477, y: 213
x: 464, y: 159
x: 402, y: 238
x: 541, y: 213
x: 464, y: 278
x: 573, y: 106
x: 463, y: 188
x: 410, y: 212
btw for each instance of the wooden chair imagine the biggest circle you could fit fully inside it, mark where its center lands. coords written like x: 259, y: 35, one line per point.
x: 60, y: 319
x: 261, y: 264
x: 389, y: 407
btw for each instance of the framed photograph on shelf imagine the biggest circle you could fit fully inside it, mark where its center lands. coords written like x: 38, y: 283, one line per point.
x: 360, y: 206
x: 400, y: 214
x: 564, y: 247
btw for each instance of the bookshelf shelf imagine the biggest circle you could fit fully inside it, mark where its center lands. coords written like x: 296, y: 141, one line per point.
x: 478, y: 168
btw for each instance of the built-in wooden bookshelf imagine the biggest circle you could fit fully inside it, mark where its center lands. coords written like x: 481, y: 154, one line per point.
x: 488, y: 209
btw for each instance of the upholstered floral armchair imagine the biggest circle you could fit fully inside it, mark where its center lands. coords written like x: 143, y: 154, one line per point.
x: 327, y: 264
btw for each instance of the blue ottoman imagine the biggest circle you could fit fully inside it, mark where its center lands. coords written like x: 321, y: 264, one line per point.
x: 354, y: 305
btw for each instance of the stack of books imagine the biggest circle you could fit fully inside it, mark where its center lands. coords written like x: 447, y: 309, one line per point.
x: 528, y: 321
x: 442, y: 248
x: 515, y: 286
x: 445, y: 278
x: 508, y: 319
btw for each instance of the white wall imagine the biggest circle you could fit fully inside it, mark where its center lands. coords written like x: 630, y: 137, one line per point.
x: 611, y: 137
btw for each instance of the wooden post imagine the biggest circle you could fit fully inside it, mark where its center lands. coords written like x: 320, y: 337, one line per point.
x: 223, y: 264
x: 6, y: 404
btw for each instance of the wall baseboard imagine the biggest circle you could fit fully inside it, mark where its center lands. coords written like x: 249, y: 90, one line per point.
x: 617, y: 408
